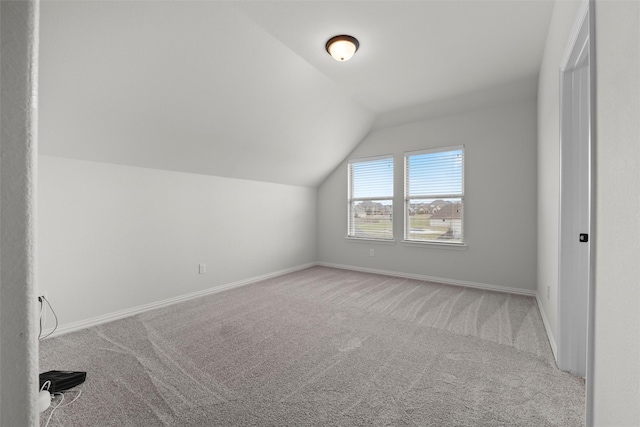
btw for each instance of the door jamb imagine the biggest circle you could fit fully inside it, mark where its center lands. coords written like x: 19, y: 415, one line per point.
x: 585, y: 21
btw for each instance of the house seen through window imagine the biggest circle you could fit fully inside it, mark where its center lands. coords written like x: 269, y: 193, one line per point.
x: 370, y: 199
x: 434, y: 195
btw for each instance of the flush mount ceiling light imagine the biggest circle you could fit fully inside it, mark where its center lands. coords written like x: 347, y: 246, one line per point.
x: 342, y: 47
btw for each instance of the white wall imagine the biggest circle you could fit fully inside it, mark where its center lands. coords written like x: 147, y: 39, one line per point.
x: 19, y: 113
x: 616, y: 371
x: 117, y: 237
x: 616, y: 379
x: 564, y: 15
x: 500, y: 200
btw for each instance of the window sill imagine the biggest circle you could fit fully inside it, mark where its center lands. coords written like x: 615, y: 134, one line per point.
x: 451, y: 246
x: 366, y: 240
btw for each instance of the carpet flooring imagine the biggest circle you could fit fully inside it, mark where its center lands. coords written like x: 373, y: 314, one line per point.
x: 321, y: 347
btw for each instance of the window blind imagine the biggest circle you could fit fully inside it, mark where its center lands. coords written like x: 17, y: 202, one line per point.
x: 434, y: 195
x: 370, y: 198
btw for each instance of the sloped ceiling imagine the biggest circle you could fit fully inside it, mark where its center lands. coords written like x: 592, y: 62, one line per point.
x: 245, y: 89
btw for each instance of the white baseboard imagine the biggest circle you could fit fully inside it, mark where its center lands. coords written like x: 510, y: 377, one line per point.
x: 552, y: 339
x: 82, y: 324
x: 74, y: 326
x: 464, y: 283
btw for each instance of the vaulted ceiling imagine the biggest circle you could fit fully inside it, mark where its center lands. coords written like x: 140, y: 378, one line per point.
x: 245, y: 89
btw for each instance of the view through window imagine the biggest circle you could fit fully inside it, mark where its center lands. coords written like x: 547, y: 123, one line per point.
x: 370, y: 198
x: 434, y: 195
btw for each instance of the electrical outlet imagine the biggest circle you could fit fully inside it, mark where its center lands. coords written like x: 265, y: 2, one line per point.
x: 548, y: 292
x: 41, y: 296
x: 371, y: 252
x: 202, y: 268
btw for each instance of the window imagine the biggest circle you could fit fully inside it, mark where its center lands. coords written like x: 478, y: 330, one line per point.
x: 370, y: 198
x: 434, y: 195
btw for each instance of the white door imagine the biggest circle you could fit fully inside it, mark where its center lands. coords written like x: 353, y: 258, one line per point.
x: 575, y: 206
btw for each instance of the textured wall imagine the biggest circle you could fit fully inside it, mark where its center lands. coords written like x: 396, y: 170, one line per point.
x: 500, y: 200
x: 617, y: 235
x: 18, y: 315
x: 113, y: 237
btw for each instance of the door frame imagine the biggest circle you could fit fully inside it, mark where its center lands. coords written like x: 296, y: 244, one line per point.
x: 581, y: 44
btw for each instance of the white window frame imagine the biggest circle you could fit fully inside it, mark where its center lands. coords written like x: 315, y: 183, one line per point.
x: 408, y: 198
x: 351, y: 200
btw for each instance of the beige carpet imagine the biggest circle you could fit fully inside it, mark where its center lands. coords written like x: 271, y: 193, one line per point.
x: 322, y: 347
